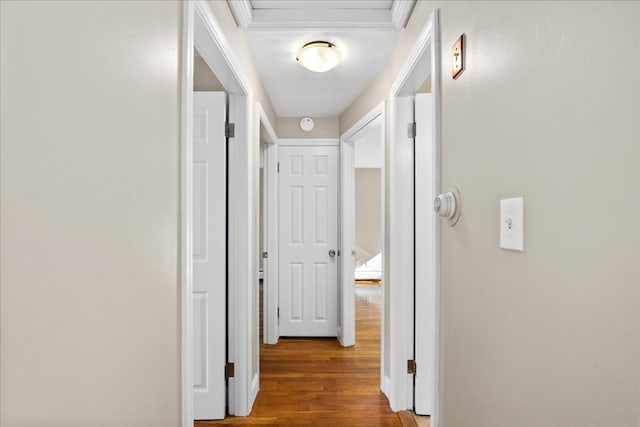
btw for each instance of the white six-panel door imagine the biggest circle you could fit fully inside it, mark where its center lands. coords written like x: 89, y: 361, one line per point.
x: 209, y: 254
x: 308, y: 243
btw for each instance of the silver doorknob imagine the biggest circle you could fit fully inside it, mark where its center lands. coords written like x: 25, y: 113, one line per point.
x: 332, y: 253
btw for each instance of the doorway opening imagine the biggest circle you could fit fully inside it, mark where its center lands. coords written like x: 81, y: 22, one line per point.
x: 413, y: 160
x: 362, y: 217
x: 210, y: 250
x: 368, y: 146
x: 202, y: 32
x: 313, y: 373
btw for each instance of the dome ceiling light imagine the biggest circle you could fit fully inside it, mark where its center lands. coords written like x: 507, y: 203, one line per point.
x: 319, y: 56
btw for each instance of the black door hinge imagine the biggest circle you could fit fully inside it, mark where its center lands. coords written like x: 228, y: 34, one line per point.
x: 229, y: 130
x: 229, y: 370
x: 411, y: 130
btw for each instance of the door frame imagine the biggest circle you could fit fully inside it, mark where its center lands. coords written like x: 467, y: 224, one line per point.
x: 347, y: 335
x: 202, y: 30
x: 423, y: 60
x: 270, y: 222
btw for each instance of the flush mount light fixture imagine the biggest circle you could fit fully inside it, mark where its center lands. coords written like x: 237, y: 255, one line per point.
x: 319, y: 56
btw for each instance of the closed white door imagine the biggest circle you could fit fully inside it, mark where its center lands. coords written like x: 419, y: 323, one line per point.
x: 209, y: 254
x: 308, y: 239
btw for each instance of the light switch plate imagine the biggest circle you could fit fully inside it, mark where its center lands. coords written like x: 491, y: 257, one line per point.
x: 512, y: 224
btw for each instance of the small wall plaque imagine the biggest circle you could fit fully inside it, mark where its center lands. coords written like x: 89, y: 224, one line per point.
x: 457, y: 57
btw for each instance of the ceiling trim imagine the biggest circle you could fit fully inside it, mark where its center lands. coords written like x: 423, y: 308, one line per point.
x: 248, y: 18
x: 277, y: 19
x: 400, y: 12
x: 242, y: 12
x: 321, y: 4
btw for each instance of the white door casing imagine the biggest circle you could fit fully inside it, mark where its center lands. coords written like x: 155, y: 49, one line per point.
x: 308, y: 242
x: 209, y: 254
x: 426, y: 223
x: 201, y: 30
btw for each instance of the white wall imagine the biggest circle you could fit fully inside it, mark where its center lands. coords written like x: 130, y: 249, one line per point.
x: 544, y: 110
x: 90, y: 112
x: 368, y: 149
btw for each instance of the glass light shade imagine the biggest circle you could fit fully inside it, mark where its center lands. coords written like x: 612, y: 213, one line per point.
x: 319, y: 56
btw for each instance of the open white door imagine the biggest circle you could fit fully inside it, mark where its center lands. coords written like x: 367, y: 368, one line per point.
x: 308, y: 243
x: 347, y: 315
x: 399, y: 263
x: 209, y: 254
x: 425, y: 252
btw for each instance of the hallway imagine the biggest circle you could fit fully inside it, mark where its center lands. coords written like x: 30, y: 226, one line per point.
x: 313, y: 382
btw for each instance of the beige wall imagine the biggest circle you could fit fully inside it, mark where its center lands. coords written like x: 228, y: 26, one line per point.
x: 240, y: 49
x: 559, y: 126
x: 203, y: 77
x: 90, y: 134
x: 368, y: 215
x: 544, y: 110
x: 323, y: 127
x: 375, y: 93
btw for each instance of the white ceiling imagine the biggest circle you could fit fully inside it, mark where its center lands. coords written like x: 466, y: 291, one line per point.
x: 365, y: 32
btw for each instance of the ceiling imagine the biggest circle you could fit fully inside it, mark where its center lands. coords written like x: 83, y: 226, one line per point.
x: 365, y: 31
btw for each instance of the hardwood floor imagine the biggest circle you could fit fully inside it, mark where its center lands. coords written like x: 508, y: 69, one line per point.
x: 315, y: 382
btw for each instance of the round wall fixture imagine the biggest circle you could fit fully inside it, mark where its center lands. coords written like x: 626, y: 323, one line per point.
x: 306, y: 124
x: 448, y: 205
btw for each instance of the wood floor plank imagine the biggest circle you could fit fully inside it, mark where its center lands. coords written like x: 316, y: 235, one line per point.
x: 316, y: 382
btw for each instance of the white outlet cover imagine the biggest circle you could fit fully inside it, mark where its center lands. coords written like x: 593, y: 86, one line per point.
x: 512, y: 224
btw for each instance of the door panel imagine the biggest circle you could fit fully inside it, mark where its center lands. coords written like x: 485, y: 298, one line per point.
x: 426, y: 224
x: 308, y: 233
x: 209, y: 254
x: 346, y: 282
x: 271, y: 285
